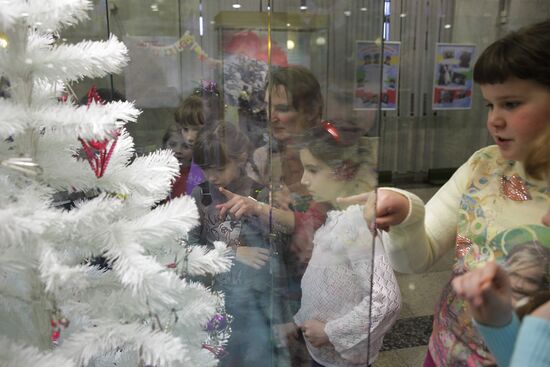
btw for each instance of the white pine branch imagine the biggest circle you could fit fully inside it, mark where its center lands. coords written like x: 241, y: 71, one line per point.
x: 15, y: 355
x: 157, y: 348
x: 151, y: 175
x: 57, y: 275
x: 88, y: 122
x: 93, y: 122
x: 93, y: 59
x: 202, y: 261
x: 148, y: 177
x: 12, y: 119
x: 48, y: 15
x: 24, y: 220
x: 81, y: 225
x: 172, y: 220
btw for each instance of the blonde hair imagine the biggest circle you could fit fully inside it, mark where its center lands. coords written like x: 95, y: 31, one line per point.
x: 537, y: 163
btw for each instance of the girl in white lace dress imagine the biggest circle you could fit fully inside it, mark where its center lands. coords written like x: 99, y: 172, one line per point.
x: 350, y: 297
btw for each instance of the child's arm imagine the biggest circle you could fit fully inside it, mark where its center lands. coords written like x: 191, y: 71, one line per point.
x: 417, y: 235
x: 531, y: 348
x: 240, y: 206
x: 489, y: 294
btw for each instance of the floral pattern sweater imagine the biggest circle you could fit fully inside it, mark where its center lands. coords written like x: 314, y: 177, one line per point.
x: 488, y: 210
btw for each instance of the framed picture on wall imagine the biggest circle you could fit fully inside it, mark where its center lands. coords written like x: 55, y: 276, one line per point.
x: 376, y: 75
x: 453, y: 76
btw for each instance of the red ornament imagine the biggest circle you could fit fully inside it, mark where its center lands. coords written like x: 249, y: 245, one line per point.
x: 98, y: 152
x: 332, y: 130
x: 55, y: 336
x: 93, y: 96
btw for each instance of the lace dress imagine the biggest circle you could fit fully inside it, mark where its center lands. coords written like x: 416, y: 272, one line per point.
x: 336, y: 290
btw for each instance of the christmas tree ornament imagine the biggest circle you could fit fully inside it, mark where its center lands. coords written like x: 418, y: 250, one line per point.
x: 98, y: 153
x: 24, y: 164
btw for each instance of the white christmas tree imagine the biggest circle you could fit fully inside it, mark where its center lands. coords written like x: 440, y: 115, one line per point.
x: 142, y: 311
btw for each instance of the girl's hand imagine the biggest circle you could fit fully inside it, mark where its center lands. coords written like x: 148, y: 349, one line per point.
x: 391, y: 207
x: 489, y: 294
x: 255, y: 257
x: 281, y: 198
x: 238, y: 205
x: 314, y: 332
x: 285, y: 334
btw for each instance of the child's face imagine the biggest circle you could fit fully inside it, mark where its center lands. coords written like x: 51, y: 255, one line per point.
x: 286, y: 122
x: 527, y: 281
x: 190, y: 134
x: 518, y: 112
x: 320, y: 179
x: 182, y: 150
x: 223, y: 176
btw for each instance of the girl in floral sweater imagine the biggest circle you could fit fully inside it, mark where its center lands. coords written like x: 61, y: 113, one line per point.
x: 490, y: 205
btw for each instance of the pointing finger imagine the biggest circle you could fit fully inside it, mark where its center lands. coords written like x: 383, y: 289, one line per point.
x: 354, y: 199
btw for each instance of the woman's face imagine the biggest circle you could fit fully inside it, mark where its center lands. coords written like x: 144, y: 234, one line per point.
x: 286, y: 122
x: 320, y: 179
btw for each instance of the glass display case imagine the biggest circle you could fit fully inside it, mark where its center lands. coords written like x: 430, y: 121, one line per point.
x: 285, y: 117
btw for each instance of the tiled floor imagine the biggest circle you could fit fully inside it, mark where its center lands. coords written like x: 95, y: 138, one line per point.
x: 405, y: 345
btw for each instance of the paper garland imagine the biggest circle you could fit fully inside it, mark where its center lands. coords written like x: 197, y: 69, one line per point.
x: 187, y: 41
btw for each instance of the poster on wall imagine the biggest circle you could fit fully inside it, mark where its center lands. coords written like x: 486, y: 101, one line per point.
x: 453, y: 76
x: 369, y: 64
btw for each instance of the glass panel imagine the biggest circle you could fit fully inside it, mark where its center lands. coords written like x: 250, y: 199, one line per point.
x: 196, y: 62
x: 286, y: 105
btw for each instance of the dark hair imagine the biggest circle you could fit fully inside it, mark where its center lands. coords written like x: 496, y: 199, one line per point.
x: 523, y: 54
x: 220, y: 144
x: 333, y: 144
x: 173, y: 129
x: 190, y: 112
x: 302, y: 88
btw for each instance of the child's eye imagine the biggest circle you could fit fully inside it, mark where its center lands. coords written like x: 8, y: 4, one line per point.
x: 511, y: 104
x: 282, y: 108
x: 489, y: 106
x: 311, y: 170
